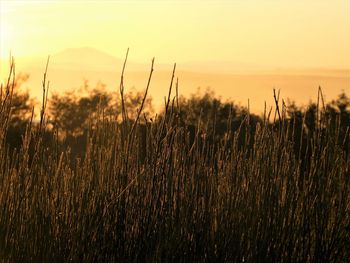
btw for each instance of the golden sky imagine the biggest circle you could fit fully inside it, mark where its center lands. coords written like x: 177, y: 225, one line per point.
x: 297, y: 34
x: 241, y: 49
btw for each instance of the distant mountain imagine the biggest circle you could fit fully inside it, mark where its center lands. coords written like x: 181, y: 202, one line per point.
x: 92, y: 59
x: 82, y: 59
x: 82, y: 53
x: 85, y: 58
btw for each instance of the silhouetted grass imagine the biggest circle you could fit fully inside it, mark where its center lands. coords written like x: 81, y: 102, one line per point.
x: 185, y: 200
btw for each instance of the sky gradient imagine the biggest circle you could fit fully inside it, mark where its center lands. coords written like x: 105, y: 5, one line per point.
x: 298, y: 34
x: 240, y: 49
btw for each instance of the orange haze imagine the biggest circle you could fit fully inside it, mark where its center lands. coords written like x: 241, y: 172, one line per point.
x: 241, y: 49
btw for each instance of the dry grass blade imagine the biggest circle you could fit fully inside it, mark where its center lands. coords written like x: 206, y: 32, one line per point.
x: 171, y: 191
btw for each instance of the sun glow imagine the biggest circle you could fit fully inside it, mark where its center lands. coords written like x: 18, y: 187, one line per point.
x: 241, y: 49
x: 268, y: 33
x: 5, y: 32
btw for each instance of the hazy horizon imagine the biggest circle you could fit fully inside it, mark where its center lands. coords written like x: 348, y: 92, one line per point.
x: 241, y: 49
x: 69, y: 69
x: 266, y: 33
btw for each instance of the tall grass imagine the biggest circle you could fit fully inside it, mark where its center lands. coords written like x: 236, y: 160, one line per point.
x: 185, y: 200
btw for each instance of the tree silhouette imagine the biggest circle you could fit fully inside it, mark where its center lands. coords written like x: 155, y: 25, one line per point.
x: 207, y: 107
x: 73, y: 113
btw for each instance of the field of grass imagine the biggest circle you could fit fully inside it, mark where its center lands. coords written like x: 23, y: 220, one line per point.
x: 243, y: 198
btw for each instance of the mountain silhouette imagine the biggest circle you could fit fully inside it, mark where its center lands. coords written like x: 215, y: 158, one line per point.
x: 86, y: 58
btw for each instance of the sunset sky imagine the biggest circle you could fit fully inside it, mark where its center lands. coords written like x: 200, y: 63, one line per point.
x: 264, y: 33
x: 255, y: 35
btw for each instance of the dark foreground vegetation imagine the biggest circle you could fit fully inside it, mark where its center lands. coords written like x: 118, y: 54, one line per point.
x: 97, y: 180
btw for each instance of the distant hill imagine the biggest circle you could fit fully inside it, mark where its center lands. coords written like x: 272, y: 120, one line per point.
x: 92, y: 59
x: 88, y: 58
